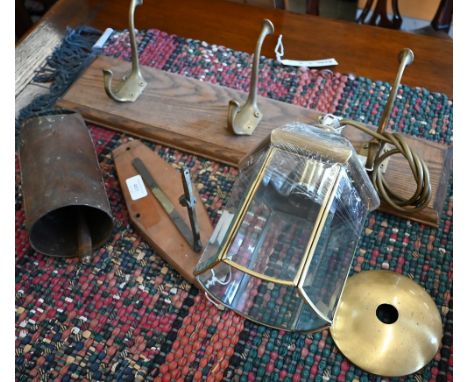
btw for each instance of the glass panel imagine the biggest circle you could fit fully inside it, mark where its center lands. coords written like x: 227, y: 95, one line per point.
x: 278, y: 224
x: 210, y: 254
x: 261, y: 301
x: 335, y: 249
x: 236, y: 198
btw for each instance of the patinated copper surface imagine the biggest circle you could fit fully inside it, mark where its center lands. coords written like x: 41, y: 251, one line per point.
x: 63, y: 191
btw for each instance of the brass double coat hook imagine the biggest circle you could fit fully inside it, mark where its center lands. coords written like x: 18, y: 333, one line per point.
x: 133, y: 83
x: 242, y: 120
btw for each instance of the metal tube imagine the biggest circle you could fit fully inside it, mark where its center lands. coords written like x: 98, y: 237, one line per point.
x: 65, y: 202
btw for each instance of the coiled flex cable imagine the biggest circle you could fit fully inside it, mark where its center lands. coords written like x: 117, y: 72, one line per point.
x: 423, y: 192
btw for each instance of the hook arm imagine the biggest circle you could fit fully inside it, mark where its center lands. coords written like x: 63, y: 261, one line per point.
x: 243, y: 120
x: 133, y: 42
x: 406, y: 57
x: 267, y: 29
x: 133, y: 83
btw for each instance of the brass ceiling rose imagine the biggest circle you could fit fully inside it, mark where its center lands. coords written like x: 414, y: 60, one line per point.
x: 387, y: 324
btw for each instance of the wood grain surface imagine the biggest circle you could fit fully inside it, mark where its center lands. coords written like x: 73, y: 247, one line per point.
x: 147, y: 214
x: 178, y: 112
x: 190, y: 115
x: 360, y: 49
x: 438, y: 159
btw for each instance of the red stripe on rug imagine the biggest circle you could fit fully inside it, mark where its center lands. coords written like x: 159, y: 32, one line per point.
x: 207, y: 337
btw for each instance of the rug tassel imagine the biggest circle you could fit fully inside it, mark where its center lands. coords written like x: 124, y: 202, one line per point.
x: 61, y: 68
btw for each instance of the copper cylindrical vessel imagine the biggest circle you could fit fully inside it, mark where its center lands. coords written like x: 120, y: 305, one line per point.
x: 65, y: 201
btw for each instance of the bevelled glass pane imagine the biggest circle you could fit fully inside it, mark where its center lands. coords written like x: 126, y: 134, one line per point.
x: 277, y: 227
x: 261, y: 301
x: 238, y: 194
x: 334, y: 252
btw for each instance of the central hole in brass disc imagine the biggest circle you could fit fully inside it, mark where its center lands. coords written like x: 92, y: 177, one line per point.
x: 387, y: 313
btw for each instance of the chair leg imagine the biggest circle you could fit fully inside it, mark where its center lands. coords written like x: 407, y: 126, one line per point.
x: 279, y: 4
x: 312, y: 7
x: 443, y: 17
x: 365, y: 12
x: 379, y: 16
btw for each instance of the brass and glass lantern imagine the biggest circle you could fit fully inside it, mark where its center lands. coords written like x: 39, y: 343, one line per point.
x: 281, y: 251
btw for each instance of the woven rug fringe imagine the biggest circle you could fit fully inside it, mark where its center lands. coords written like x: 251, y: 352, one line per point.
x: 61, y: 69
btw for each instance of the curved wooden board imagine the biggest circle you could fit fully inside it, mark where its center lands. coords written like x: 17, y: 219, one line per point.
x: 148, y: 216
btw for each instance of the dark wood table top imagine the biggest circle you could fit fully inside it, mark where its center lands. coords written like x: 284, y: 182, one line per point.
x: 362, y: 50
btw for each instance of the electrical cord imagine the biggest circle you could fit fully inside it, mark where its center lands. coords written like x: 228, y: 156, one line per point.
x: 423, y: 192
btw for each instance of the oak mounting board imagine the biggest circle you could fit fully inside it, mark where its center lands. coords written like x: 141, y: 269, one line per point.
x: 191, y: 115
x: 178, y: 112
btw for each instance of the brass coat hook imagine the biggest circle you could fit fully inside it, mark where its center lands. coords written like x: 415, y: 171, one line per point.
x: 133, y: 83
x: 405, y: 58
x: 377, y: 155
x: 243, y: 120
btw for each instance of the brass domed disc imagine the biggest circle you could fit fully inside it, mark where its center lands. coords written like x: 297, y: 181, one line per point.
x: 386, y: 324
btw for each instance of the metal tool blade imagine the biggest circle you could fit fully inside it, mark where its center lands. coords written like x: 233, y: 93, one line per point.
x: 162, y: 198
x: 188, y: 200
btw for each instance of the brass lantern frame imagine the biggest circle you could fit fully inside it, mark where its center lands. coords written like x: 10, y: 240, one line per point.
x: 340, y: 155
